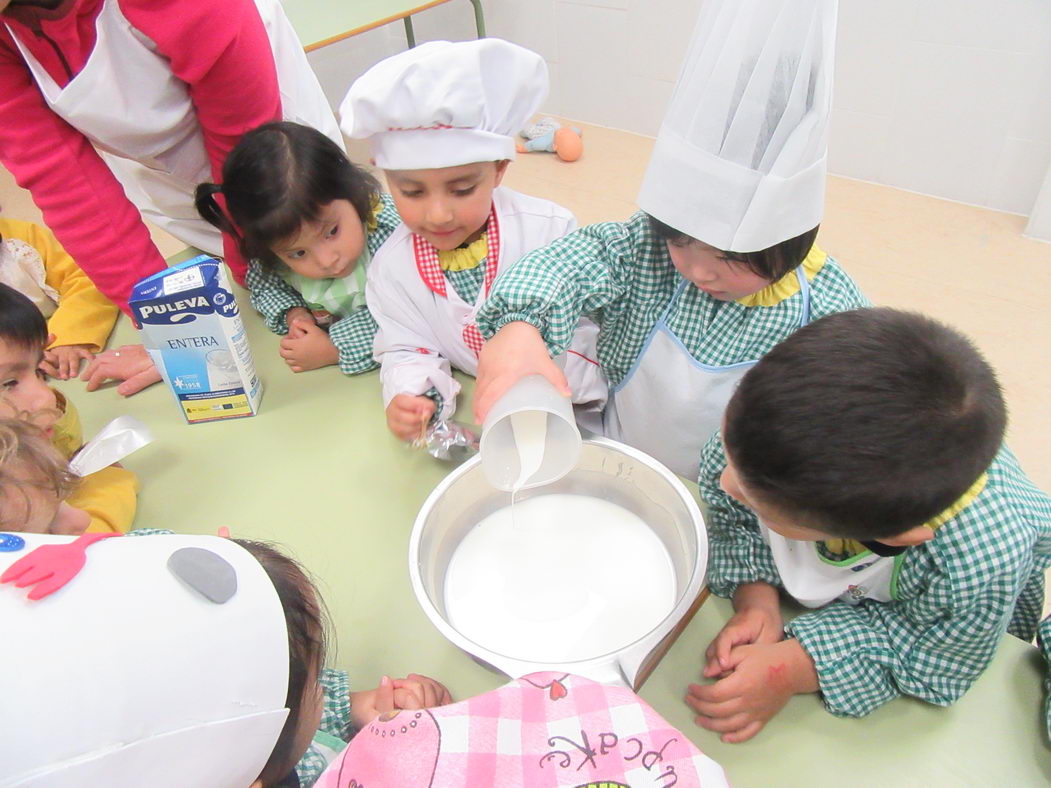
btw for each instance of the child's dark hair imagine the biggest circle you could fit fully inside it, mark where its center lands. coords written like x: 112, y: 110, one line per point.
x: 21, y: 323
x: 771, y: 264
x: 865, y: 424
x: 305, y: 621
x: 277, y: 177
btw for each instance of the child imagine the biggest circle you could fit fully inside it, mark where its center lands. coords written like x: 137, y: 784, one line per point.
x: 441, y: 119
x: 720, y: 263
x: 309, y: 221
x: 35, y: 480
x: 108, y: 495
x: 323, y: 713
x: 862, y: 471
x: 226, y: 686
x: 78, y: 316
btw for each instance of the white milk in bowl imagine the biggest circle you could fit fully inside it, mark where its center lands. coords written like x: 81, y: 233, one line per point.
x: 569, y: 578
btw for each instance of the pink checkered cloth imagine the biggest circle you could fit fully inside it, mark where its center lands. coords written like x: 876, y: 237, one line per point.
x: 546, y: 730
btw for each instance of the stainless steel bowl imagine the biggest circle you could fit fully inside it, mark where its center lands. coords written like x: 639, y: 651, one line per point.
x: 608, y: 470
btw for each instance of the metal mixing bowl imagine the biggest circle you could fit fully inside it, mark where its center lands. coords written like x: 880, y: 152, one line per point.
x: 608, y: 470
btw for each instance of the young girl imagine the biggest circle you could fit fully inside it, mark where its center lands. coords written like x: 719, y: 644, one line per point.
x: 441, y: 119
x: 309, y: 221
x: 720, y: 264
x: 227, y: 685
x: 108, y: 497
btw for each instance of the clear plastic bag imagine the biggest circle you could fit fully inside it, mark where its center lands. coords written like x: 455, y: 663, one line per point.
x: 448, y: 440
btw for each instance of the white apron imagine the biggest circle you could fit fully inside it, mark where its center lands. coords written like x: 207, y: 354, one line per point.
x: 669, y: 404
x: 814, y: 581
x: 139, y: 115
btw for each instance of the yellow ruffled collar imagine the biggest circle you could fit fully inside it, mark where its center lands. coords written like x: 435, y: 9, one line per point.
x: 465, y: 258
x: 788, y: 285
x: 853, y: 547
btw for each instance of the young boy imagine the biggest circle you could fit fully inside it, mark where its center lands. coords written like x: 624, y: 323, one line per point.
x: 719, y: 265
x: 441, y: 119
x: 862, y: 471
x: 78, y: 316
x: 108, y: 496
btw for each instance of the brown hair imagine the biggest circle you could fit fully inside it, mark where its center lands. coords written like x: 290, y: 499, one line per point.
x: 305, y: 620
x: 27, y: 459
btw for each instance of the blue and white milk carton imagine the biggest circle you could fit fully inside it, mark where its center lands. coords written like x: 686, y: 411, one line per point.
x: 192, y: 328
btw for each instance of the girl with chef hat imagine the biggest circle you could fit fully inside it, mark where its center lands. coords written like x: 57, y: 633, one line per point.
x: 719, y: 265
x: 223, y: 686
x: 441, y: 119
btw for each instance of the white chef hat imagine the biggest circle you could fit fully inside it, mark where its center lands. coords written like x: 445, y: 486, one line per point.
x: 739, y: 161
x: 163, y: 662
x: 443, y: 104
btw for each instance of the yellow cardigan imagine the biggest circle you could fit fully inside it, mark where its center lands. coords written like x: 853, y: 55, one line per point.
x: 84, y: 316
x: 109, y: 496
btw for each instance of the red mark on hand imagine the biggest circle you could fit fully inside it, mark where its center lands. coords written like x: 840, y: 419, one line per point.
x: 777, y: 676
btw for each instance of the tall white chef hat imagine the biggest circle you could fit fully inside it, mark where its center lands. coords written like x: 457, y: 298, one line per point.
x: 740, y: 157
x: 443, y: 104
x: 163, y: 662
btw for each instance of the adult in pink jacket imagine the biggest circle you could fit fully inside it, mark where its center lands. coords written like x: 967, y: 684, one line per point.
x: 116, y: 109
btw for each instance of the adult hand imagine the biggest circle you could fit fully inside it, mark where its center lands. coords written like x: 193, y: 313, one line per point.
x: 128, y: 363
x: 762, y: 678
x: 306, y: 347
x: 515, y: 351
x: 407, y: 414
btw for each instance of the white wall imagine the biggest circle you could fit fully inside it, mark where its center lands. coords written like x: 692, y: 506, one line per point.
x: 946, y: 97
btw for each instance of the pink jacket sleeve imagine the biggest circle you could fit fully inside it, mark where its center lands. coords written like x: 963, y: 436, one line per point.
x: 82, y: 202
x: 224, y: 57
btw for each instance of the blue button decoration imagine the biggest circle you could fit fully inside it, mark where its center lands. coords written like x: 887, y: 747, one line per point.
x: 11, y: 543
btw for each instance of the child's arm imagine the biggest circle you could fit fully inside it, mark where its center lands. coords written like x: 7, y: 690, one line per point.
x: 353, y: 338
x: 272, y: 296
x: 583, y: 273
x: 410, y: 354
x: 109, y: 496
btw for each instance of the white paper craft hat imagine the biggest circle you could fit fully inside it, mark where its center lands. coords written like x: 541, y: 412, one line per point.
x: 443, y: 104
x: 127, y: 676
x: 740, y: 157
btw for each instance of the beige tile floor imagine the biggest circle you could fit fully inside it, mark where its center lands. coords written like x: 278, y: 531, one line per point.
x: 968, y: 266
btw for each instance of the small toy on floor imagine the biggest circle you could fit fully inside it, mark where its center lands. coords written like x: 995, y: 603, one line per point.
x: 549, y: 135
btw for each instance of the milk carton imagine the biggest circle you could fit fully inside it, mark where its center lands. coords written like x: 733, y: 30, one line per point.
x: 192, y: 328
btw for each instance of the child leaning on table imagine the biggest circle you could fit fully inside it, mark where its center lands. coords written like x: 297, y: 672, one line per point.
x: 108, y: 496
x: 79, y: 317
x: 862, y: 472
x: 441, y: 120
x: 323, y: 713
x: 309, y: 221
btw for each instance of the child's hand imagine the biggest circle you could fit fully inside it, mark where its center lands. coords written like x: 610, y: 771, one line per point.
x: 412, y: 692
x: 298, y: 318
x: 311, y: 349
x: 63, y: 361
x: 752, y: 625
x: 69, y: 520
x: 407, y: 413
x: 515, y: 351
x: 763, y: 677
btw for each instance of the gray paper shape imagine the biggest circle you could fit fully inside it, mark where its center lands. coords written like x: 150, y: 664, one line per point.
x: 207, y: 573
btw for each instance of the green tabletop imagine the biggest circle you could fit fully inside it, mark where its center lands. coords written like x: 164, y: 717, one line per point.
x: 318, y: 471
x: 320, y: 23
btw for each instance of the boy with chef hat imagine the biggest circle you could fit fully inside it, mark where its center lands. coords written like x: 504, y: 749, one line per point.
x: 441, y: 119
x: 719, y: 265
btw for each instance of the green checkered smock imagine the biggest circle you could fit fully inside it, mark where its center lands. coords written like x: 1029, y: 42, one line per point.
x: 1043, y: 639
x: 335, y: 729
x: 620, y: 275
x: 981, y: 575
x: 272, y: 297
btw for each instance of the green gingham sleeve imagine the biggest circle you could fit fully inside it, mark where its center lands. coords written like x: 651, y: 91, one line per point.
x: 737, y: 553
x: 335, y: 721
x: 271, y: 296
x: 550, y: 288
x: 353, y: 337
x: 955, y: 597
x: 387, y: 221
x: 1043, y: 640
